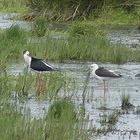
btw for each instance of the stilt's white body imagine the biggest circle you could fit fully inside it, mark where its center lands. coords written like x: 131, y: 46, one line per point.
x: 27, y: 58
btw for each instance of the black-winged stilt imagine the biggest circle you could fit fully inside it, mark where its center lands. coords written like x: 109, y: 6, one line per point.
x: 103, y: 74
x: 39, y: 66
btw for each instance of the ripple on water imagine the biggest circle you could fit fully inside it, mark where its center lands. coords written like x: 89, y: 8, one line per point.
x: 128, y: 84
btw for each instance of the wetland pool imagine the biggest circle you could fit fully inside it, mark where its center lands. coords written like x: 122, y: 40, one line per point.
x: 128, y: 84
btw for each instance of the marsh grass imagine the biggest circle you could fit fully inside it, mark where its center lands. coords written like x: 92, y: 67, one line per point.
x: 125, y: 102
x: 86, y: 42
x: 40, y: 26
x: 12, y: 41
x: 54, y: 82
x: 13, y: 6
x: 63, y: 122
x: 15, y: 125
x: 84, y: 28
x: 116, y: 17
x: 110, y: 119
x: 25, y: 84
x: 138, y: 110
x: 15, y: 33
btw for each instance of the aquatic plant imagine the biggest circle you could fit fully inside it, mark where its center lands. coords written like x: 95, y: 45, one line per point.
x: 70, y: 10
x: 12, y: 41
x: 13, y: 6
x: 86, y: 42
x: 24, y: 84
x: 62, y: 108
x: 40, y: 26
x: 62, y: 122
x: 109, y: 119
x: 16, y: 125
x: 125, y: 102
x: 15, y: 33
x: 138, y: 110
x: 54, y: 82
x: 84, y: 28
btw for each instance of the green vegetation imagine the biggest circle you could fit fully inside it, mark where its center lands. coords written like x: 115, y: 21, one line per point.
x: 62, y: 122
x: 108, y: 122
x: 14, y: 125
x: 40, y: 26
x: 13, y: 6
x: 103, y: 12
x: 85, y: 42
x: 125, y: 99
x: 110, y: 119
x: 70, y: 10
x: 138, y: 110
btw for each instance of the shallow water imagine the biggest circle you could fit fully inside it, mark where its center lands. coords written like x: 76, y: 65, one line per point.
x: 128, y: 85
x: 128, y: 36
x: 6, y: 21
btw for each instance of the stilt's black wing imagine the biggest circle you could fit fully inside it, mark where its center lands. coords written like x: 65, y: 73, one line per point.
x: 40, y: 65
x: 102, y: 72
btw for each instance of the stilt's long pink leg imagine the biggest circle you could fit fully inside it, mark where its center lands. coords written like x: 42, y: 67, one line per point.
x: 104, y: 88
x: 42, y: 86
x: 38, y: 76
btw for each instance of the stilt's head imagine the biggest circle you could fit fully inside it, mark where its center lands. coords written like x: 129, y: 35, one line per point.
x: 27, y: 57
x: 94, y: 67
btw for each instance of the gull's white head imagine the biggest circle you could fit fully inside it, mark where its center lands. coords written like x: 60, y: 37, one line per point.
x: 27, y: 57
x: 94, y: 67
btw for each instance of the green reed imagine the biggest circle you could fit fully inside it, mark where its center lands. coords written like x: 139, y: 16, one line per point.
x: 15, y: 125
x: 64, y: 122
x: 40, y: 26
x: 13, y: 6
x: 61, y: 117
x: 86, y: 42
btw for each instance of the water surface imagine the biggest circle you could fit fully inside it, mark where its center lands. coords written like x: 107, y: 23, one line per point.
x: 128, y: 84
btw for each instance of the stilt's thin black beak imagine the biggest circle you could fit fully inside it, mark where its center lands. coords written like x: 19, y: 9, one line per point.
x: 29, y: 54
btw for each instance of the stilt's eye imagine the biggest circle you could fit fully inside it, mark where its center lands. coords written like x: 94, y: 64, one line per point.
x: 29, y: 54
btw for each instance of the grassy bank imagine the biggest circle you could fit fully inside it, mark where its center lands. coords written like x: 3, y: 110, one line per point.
x: 105, y: 12
x: 85, y: 41
x: 117, y: 17
x: 14, y: 6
